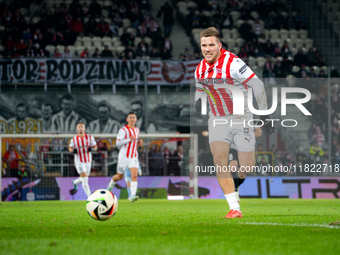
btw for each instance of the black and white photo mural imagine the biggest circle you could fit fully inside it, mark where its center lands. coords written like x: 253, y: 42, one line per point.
x: 39, y: 112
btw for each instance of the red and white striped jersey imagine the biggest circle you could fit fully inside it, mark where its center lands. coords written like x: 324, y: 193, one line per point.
x: 129, y: 149
x: 230, y: 70
x: 82, y: 144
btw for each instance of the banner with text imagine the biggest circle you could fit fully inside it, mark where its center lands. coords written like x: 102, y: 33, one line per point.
x: 94, y: 71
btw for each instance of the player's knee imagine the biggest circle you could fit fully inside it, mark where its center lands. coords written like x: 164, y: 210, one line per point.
x: 120, y: 176
x: 218, y: 158
x: 85, y: 181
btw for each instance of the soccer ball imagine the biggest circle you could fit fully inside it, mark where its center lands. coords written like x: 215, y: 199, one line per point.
x: 102, y: 205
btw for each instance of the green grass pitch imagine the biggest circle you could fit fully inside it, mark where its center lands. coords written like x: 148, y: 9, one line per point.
x: 272, y: 226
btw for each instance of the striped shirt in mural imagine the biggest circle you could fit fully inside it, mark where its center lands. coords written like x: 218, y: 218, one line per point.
x: 61, y: 124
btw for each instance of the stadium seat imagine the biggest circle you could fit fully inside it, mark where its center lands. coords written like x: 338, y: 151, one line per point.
x: 183, y: 9
x: 87, y: 43
x: 309, y: 41
x: 291, y: 80
x: 295, y: 69
x: 107, y: 41
x: 108, y: 20
x: 240, y: 42
x: 307, y: 69
x: 207, y: 14
x: 24, y: 12
x: 293, y: 34
x: 107, y: 4
x: 96, y: 38
x: 116, y: 38
x: 254, y: 14
x: 226, y: 33
x: 191, y: 4
x: 97, y: 44
x: 283, y: 34
x: 303, y: 34
x: 60, y: 48
x: 91, y: 50
x: 325, y: 68
x: 251, y: 61
x: 274, y: 34
x: 261, y: 61
x: 50, y: 48
x: 198, y: 30
x: 120, y: 31
x: 138, y: 40
x: 279, y: 41
x: 117, y: 43
x: 79, y: 49
x: 298, y: 43
x: 238, y: 23
x: 235, y: 34
x: 284, y: 14
x: 182, y: 4
x: 132, y: 30
x: 231, y: 43
x: 72, y: 47
x: 316, y: 69
x: 78, y: 42
x: 119, y: 49
x: 266, y: 34
x: 36, y: 20
x: 86, y: 38
x: 294, y: 51
x: 236, y: 15
x: 148, y: 40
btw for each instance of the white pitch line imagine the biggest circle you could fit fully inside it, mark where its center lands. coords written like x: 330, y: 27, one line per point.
x: 289, y: 225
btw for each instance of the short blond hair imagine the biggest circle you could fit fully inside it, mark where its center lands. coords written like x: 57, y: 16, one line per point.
x: 211, y: 31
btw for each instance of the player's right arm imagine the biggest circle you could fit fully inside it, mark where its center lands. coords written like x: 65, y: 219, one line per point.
x: 121, y: 140
x: 199, y: 93
x: 71, y: 147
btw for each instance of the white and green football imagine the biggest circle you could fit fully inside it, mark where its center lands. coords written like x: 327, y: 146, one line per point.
x: 102, y: 205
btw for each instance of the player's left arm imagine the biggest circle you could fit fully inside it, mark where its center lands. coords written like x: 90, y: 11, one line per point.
x: 258, y: 132
x: 93, y: 144
x: 243, y: 73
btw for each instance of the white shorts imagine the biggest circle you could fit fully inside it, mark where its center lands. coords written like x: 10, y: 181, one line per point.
x: 82, y: 167
x: 125, y: 163
x: 242, y: 135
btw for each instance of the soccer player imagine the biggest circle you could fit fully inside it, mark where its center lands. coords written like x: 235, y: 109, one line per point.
x: 221, y: 64
x: 82, y: 145
x: 128, y: 141
x: 233, y: 163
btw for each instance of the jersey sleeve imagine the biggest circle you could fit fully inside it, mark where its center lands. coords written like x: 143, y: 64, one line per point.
x: 199, y: 87
x: 121, y: 134
x: 93, y: 142
x: 72, y: 143
x: 243, y: 74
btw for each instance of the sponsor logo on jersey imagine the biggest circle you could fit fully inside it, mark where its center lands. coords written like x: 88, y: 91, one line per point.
x: 243, y: 69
